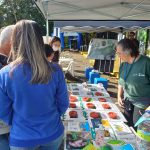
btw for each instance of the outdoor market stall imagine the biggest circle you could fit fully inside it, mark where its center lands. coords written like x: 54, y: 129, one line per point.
x: 88, y: 120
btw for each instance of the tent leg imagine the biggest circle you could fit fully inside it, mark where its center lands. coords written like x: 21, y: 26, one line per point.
x: 100, y: 65
x: 105, y: 63
x: 110, y: 65
x: 47, y: 30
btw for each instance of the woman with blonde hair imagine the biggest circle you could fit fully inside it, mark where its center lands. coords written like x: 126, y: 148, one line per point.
x: 33, y: 93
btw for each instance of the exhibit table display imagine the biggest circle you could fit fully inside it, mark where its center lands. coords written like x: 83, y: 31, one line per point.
x: 94, y: 122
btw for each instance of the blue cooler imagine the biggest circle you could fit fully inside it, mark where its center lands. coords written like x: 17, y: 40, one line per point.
x: 92, y: 76
x: 87, y: 72
x: 104, y: 81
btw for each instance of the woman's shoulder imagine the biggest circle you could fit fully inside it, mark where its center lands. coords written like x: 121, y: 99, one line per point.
x: 146, y: 58
x: 13, y: 68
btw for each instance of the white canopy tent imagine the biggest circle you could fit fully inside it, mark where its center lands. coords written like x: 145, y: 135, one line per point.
x: 86, y: 29
x: 94, y: 10
x: 100, y: 26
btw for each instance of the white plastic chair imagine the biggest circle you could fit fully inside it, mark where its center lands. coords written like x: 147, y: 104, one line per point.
x: 69, y: 68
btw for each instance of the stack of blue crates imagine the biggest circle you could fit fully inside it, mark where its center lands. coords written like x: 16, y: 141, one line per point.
x: 92, y: 76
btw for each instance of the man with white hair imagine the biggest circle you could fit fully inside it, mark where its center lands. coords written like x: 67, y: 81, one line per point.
x: 5, y: 46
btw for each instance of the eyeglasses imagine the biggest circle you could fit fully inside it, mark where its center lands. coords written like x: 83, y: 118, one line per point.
x: 119, y: 53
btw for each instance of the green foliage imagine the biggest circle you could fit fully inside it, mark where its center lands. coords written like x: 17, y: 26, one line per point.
x: 142, y: 35
x: 12, y: 11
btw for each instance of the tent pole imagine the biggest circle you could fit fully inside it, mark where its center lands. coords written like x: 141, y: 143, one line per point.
x: 121, y: 33
x: 47, y: 29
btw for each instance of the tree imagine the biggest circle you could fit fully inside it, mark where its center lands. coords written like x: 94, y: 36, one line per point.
x: 12, y: 11
x: 143, y: 39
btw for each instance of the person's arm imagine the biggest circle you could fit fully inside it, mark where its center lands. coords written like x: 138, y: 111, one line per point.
x: 120, y: 89
x: 120, y: 95
x: 56, y: 57
x: 5, y: 107
x: 62, y: 94
x: 148, y: 69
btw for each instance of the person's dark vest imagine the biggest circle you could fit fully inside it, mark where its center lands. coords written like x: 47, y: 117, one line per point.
x: 56, y: 57
x: 3, y: 61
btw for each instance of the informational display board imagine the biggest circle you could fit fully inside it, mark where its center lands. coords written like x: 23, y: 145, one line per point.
x: 102, y: 49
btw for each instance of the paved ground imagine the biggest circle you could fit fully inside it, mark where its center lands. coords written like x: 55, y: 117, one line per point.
x: 80, y: 63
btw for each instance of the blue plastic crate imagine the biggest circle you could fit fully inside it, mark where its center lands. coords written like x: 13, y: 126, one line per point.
x: 104, y: 81
x: 92, y: 76
x: 87, y: 72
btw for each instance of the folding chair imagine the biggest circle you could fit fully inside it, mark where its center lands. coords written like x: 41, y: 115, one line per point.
x: 69, y: 68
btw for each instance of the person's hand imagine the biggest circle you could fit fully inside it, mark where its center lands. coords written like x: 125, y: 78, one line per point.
x: 69, y: 92
x: 120, y: 102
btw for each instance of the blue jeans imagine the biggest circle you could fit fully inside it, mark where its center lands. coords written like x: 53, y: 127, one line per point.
x: 53, y: 145
x: 4, y: 143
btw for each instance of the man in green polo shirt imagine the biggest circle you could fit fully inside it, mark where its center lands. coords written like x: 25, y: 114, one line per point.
x: 134, y: 80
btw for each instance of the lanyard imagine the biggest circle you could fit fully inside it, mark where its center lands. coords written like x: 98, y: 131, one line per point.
x: 126, y: 72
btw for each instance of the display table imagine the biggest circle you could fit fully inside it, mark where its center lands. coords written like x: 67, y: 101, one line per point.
x: 93, y: 120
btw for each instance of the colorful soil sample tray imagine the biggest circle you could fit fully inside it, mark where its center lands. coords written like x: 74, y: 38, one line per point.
x: 107, y: 106
x: 75, y: 105
x: 101, y: 95
x: 73, y: 98
x: 96, y: 114
x: 75, y: 114
x: 98, y: 94
x: 87, y: 99
x: 115, y: 116
x: 102, y: 99
x: 92, y: 105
